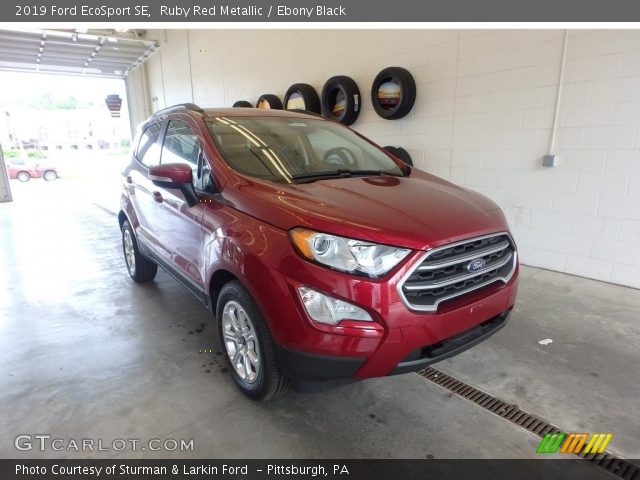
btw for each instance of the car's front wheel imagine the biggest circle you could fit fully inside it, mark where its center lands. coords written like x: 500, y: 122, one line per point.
x: 140, y: 268
x: 23, y: 177
x: 250, y: 352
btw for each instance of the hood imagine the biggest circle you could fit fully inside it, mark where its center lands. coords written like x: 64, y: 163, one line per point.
x: 418, y: 212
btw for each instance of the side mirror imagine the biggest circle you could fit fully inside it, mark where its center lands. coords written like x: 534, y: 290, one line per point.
x: 177, y: 176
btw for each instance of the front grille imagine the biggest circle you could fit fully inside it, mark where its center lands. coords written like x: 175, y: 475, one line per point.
x: 453, y: 270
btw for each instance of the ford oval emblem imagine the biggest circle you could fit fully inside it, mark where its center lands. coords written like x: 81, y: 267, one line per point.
x: 475, y: 265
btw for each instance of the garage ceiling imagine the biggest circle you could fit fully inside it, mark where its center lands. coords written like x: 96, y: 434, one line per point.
x: 103, y: 53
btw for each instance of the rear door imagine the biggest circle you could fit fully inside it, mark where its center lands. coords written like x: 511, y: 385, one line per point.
x: 179, y: 225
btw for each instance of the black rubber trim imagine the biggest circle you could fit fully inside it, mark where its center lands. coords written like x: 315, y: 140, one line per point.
x: 451, y: 346
x: 316, y: 367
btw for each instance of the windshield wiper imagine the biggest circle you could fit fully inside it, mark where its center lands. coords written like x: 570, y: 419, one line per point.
x: 340, y: 173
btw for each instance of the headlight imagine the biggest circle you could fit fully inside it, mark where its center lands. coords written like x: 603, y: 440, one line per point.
x: 353, y: 256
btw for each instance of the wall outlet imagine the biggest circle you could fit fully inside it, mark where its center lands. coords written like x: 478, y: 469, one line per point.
x: 550, y: 160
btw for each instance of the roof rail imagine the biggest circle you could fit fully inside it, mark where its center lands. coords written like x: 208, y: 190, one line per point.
x: 188, y: 106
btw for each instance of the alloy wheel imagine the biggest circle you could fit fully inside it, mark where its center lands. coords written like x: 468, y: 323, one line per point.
x: 241, y: 342
x: 129, y: 252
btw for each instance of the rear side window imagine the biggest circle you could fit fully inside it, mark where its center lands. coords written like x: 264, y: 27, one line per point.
x: 148, y: 150
x: 181, y: 145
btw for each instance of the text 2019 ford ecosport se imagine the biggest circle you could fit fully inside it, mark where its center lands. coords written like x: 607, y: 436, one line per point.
x: 323, y: 258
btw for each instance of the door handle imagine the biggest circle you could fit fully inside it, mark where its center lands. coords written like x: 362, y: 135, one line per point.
x: 129, y: 180
x: 157, y: 196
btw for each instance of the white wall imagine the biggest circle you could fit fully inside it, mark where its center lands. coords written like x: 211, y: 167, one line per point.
x: 483, y: 118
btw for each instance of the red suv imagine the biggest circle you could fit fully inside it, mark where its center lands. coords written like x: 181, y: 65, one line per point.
x: 323, y: 258
x: 25, y: 170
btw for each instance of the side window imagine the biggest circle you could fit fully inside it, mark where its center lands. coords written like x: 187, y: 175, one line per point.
x: 148, y: 151
x: 181, y: 145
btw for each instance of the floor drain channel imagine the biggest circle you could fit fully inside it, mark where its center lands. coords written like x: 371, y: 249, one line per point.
x: 617, y: 466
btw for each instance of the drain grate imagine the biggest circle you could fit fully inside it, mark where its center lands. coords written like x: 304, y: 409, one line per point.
x: 619, y: 467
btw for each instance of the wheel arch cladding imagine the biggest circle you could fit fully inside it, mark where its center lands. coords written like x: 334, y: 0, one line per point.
x: 218, y: 280
x: 122, y: 217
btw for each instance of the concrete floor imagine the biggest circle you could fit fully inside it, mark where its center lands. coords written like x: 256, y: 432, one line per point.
x: 86, y: 353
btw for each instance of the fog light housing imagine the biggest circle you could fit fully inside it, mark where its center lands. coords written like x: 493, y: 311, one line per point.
x: 328, y: 310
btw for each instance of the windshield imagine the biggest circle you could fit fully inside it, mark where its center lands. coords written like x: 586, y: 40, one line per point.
x: 289, y: 150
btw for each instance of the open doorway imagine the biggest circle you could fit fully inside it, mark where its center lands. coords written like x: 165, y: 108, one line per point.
x: 59, y: 138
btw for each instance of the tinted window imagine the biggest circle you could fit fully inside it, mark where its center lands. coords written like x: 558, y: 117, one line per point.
x: 181, y: 145
x: 284, y: 149
x: 148, y: 149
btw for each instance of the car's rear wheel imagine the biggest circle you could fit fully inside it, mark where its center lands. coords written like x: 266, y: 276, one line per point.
x: 250, y: 352
x: 50, y: 176
x: 23, y: 177
x: 140, y: 268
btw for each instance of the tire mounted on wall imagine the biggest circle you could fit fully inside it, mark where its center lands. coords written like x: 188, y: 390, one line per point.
x: 393, y: 93
x: 242, y: 104
x: 341, y: 99
x: 302, y: 96
x: 269, y: 101
x: 400, y: 153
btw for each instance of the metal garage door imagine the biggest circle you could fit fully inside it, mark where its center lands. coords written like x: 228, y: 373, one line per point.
x: 106, y: 53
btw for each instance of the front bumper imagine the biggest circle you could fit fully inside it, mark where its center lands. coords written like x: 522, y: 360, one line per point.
x: 314, y: 367
x: 449, y: 347
x: 399, y: 341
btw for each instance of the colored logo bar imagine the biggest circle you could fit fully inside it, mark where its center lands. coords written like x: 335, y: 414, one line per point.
x: 574, y: 442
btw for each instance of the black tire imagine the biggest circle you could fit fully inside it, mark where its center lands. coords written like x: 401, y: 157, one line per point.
x: 302, y: 96
x: 401, y: 100
x: 23, y: 177
x: 242, y: 104
x: 400, y: 153
x: 50, y: 176
x: 269, y: 101
x: 141, y: 269
x: 335, y: 90
x: 270, y: 382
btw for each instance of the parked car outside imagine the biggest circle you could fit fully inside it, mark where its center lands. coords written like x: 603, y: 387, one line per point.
x: 26, y: 169
x: 323, y: 258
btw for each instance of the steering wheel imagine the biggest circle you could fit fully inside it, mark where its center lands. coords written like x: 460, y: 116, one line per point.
x: 340, y: 156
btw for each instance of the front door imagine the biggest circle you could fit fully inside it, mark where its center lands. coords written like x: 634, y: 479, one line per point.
x: 179, y: 228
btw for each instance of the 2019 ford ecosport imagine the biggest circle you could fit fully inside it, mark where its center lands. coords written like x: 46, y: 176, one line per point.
x: 323, y: 258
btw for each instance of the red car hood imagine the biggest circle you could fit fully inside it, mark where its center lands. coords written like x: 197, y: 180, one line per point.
x: 421, y: 211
